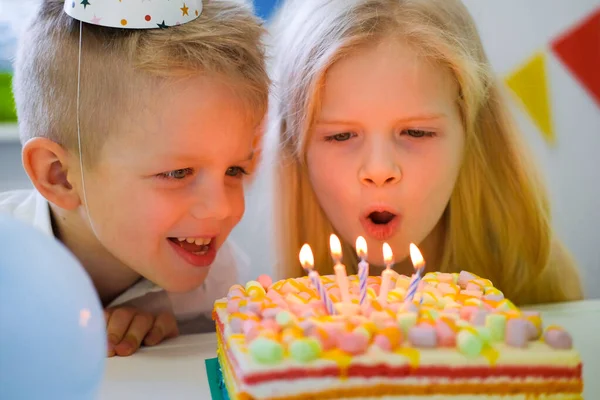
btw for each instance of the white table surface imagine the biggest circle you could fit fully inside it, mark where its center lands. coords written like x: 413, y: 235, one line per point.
x: 175, y: 369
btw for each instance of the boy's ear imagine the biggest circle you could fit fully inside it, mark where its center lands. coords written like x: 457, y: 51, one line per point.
x: 47, y: 164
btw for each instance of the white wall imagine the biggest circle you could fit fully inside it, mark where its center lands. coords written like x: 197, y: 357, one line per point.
x: 512, y: 30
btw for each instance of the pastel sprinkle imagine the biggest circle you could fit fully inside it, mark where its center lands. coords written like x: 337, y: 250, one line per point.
x: 535, y: 318
x: 506, y: 305
x: 468, y: 343
x: 493, y: 297
x: 444, y: 277
x: 253, y: 284
x: 288, y: 335
x: 305, y: 349
x: 285, y: 319
x: 472, y: 293
x: 558, y: 338
x: 236, y: 290
x: 371, y: 293
x: 392, y: 334
x: 478, y: 317
x: 448, y: 288
x: 445, y: 334
x: 406, y: 321
x: 496, y: 323
x: 516, y: 334
x: 396, y: 295
x: 403, y: 282
x: 363, y: 331
x: 423, y: 336
x: 484, y: 334
x: 465, y: 277
x: 383, y: 342
x: 353, y: 343
x: 265, y: 281
x: 494, y: 291
x: 266, y: 351
x: 326, y: 340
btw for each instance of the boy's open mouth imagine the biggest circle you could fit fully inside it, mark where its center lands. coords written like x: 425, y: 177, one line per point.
x: 197, y: 246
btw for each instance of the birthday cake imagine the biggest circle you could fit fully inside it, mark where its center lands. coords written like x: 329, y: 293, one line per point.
x: 457, y: 337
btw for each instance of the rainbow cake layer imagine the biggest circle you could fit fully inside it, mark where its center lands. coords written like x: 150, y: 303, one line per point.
x: 459, y: 338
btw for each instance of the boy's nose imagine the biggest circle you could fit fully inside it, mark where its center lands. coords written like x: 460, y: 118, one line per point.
x: 211, y: 203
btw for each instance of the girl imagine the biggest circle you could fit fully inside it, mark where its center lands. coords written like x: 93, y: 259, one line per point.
x: 389, y: 124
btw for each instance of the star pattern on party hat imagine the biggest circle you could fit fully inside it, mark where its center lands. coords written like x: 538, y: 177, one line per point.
x: 134, y: 14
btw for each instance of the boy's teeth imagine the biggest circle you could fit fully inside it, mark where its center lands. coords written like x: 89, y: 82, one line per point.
x: 197, y: 241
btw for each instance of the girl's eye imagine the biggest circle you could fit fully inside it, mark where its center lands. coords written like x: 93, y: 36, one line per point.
x: 340, y: 137
x: 417, y: 133
x: 177, y: 174
x: 236, y: 172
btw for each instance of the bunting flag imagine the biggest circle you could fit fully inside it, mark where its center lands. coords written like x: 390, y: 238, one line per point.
x: 530, y: 85
x: 579, y: 50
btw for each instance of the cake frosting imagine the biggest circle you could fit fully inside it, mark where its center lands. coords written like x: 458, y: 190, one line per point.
x: 457, y: 338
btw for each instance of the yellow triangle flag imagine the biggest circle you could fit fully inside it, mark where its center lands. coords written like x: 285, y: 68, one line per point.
x: 530, y: 84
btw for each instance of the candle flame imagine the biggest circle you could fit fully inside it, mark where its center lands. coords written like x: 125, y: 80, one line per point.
x: 416, y: 257
x: 361, y: 247
x: 388, y: 256
x: 336, y: 247
x: 306, y: 257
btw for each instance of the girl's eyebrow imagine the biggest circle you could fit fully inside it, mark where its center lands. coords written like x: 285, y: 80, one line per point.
x: 411, y: 118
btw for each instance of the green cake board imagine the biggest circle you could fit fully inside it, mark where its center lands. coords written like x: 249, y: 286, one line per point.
x: 218, y: 391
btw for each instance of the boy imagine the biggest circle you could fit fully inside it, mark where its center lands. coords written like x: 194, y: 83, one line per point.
x: 149, y: 189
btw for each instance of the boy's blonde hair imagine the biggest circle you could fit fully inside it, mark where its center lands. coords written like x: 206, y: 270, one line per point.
x: 121, y: 66
x: 498, y: 219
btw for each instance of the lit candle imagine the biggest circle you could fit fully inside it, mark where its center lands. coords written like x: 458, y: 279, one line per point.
x: 363, y: 268
x: 307, y: 260
x: 340, y: 270
x: 386, y: 275
x: 419, y: 264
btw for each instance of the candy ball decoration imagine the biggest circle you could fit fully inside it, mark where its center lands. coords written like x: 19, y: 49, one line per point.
x: 53, y: 338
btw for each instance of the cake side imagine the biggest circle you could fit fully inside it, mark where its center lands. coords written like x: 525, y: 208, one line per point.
x: 281, y: 344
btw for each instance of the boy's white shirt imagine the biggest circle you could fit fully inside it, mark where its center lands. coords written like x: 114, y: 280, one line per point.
x: 31, y: 207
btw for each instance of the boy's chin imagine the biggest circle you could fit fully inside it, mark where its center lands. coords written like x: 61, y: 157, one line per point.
x: 184, y: 285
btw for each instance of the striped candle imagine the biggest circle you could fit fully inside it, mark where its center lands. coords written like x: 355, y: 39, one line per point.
x: 386, y: 275
x: 307, y: 260
x: 363, y: 268
x: 419, y: 264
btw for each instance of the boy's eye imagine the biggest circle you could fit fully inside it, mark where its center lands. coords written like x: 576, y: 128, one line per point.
x: 417, y: 133
x: 236, y: 172
x: 340, y: 137
x: 177, y: 174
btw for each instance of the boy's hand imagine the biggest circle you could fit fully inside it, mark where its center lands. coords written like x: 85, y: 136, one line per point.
x: 127, y: 328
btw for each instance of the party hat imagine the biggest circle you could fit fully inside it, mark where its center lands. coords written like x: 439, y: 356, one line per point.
x: 134, y: 14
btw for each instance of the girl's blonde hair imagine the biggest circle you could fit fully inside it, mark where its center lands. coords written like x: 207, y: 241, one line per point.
x: 498, y: 218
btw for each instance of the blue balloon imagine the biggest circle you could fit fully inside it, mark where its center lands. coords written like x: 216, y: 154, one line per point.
x: 52, y: 329
x: 264, y: 8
